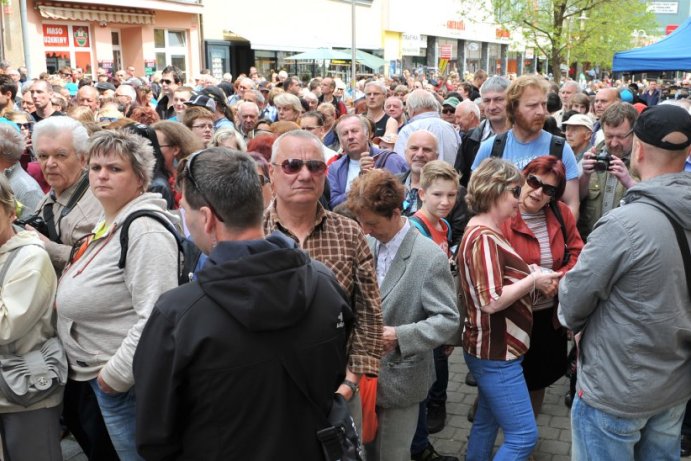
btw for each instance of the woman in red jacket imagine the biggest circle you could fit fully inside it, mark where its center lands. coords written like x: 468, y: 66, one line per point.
x: 544, y: 233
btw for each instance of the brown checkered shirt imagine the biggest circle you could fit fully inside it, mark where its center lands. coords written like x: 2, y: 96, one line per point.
x: 339, y: 243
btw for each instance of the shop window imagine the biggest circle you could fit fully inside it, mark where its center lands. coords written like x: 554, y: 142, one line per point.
x: 171, y: 49
x: 67, y: 45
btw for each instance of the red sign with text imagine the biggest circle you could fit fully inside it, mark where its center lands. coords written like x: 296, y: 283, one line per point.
x: 445, y: 52
x: 55, y: 35
x: 671, y: 28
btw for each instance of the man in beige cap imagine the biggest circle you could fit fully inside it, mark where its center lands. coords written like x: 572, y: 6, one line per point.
x: 579, y: 129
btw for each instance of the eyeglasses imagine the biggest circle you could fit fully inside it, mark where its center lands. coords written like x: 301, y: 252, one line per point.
x: 515, y: 191
x: 535, y: 183
x: 294, y: 165
x: 25, y: 126
x: 310, y: 128
x: 618, y: 137
x: 187, y: 173
x: 206, y: 126
x: 166, y: 81
x: 448, y: 111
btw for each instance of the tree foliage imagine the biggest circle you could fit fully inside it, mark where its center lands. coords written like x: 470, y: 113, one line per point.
x: 583, y: 30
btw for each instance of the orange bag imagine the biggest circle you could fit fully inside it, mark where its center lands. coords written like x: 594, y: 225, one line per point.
x: 368, y: 396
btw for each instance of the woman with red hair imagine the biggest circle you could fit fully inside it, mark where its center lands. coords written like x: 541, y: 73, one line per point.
x: 262, y: 145
x: 544, y: 234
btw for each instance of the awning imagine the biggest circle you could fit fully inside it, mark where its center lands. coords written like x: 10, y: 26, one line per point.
x: 176, y: 6
x: 119, y: 15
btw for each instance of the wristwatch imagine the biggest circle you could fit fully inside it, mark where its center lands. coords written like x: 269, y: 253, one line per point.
x: 353, y: 386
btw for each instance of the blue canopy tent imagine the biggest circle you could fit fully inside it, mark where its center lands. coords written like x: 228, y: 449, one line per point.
x: 671, y: 53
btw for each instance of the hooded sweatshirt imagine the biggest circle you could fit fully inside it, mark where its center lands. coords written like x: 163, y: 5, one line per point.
x: 26, y: 305
x: 101, y: 308
x: 210, y: 369
x: 628, y: 296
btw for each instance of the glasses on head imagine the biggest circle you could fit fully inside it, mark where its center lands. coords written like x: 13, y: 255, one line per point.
x: 618, y: 137
x: 294, y: 165
x: 166, y: 81
x: 515, y: 191
x: 204, y: 126
x: 187, y: 173
x: 108, y: 119
x: 448, y: 111
x: 535, y: 183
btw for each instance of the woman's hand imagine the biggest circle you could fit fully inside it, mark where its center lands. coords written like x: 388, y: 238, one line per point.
x: 546, y: 282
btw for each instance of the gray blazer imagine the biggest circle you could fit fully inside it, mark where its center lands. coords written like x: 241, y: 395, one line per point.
x: 419, y: 299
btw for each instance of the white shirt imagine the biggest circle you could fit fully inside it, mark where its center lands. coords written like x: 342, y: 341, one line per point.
x: 386, y: 252
x: 353, y: 172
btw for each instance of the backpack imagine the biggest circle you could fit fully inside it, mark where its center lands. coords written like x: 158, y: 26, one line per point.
x: 188, y: 253
x: 424, y: 230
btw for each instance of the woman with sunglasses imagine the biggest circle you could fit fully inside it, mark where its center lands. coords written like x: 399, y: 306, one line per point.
x: 496, y: 285
x: 101, y: 307
x: 544, y: 233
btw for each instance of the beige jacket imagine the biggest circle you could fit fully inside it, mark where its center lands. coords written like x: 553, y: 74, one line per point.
x: 26, y: 305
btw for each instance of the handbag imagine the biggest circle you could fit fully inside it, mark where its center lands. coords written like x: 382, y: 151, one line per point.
x: 31, y: 377
x: 368, y: 397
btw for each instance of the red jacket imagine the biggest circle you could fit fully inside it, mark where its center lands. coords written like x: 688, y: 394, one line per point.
x: 526, y: 245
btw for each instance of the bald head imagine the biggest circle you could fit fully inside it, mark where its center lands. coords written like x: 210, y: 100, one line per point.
x: 422, y: 148
x: 603, y: 99
x: 87, y: 96
x: 467, y: 115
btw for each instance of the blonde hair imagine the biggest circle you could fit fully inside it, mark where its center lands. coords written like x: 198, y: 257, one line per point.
x: 7, y: 199
x: 437, y: 169
x: 489, y: 181
x: 518, y: 87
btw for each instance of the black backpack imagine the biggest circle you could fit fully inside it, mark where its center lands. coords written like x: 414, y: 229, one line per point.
x: 188, y: 253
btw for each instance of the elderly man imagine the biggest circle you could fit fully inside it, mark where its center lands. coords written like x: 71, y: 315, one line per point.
x: 243, y: 85
x: 493, y: 94
x: 126, y: 96
x: 42, y: 94
x: 248, y: 116
x: 375, y: 95
x: 526, y: 108
x: 423, y: 114
x: 360, y: 155
x: 579, y: 129
x: 26, y: 190
x: 466, y: 116
x: 566, y: 92
x: 629, y: 299
x: 298, y: 174
x: 607, y: 173
x: 247, y: 320
x: 603, y: 99
x: 171, y: 78
x: 87, y: 96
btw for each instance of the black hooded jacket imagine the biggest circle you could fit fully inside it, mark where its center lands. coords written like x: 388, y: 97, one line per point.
x: 210, y: 375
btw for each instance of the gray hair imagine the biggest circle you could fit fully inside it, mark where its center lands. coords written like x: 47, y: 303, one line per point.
x: 421, y: 101
x: 128, y: 146
x: 11, y: 143
x: 573, y: 84
x: 127, y: 90
x: 290, y: 100
x: 300, y: 134
x: 258, y: 94
x: 495, y: 84
x: 53, y: 126
x: 360, y: 118
x: 230, y: 184
x: 242, y: 104
x: 378, y: 84
x: 226, y: 133
x: 468, y: 106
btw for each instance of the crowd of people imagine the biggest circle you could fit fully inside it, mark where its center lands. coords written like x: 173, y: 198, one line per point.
x: 194, y: 268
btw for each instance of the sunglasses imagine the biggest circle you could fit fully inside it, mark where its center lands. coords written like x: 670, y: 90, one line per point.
x: 187, y: 172
x: 535, y: 183
x: 515, y: 191
x: 166, y: 81
x: 448, y: 111
x: 25, y: 126
x: 294, y: 166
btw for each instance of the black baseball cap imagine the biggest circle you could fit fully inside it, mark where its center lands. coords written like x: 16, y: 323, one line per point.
x: 665, y: 126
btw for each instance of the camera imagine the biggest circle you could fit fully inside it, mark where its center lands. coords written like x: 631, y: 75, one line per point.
x: 602, y: 160
x: 36, y: 221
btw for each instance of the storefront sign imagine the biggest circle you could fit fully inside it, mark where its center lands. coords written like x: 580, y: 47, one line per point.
x: 455, y: 25
x: 55, y: 35
x: 411, y: 44
x: 80, y: 36
x: 671, y: 28
x: 445, y: 52
x: 149, y: 67
x: 503, y: 33
x: 664, y: 7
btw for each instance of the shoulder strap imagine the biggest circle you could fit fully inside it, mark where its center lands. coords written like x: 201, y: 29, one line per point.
x: 683, y: 246
x: 420, y: 225
x: 448, y: 230
x: 556, y: 146
x: 5, y: 267
x: 381, y: 159
x: 498, y: 145
x: 125, y: 238
x: 554, y: 206
x: 49, y: 216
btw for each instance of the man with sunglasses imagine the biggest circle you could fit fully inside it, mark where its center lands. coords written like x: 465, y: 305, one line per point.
x: 223, y: 362
x: 607, y: 171
x: 298, y: 174
x: 171, y: 78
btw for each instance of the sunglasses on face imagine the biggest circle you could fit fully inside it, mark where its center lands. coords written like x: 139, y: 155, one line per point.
x: 294, y: 166
x: 166, y: 81
x: 448, y: 111
x: 515, y: 191
x: 25, y: 126
x: 535, y: 183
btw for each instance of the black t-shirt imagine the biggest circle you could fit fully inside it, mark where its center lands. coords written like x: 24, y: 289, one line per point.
x: 380, y: 126
x: 38, y: 118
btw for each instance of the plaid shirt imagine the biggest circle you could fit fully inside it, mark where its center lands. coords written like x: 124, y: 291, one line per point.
x: 339, y: 243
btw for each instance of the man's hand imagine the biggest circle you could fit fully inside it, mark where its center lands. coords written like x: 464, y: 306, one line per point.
x: 104, y: 386
x: 390, y: 339
x: 618, y: 168
x: 589, y: 162
x: 366, y: 162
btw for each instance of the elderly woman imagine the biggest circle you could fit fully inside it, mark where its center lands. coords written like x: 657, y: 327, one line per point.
x: 288, y: 106
x: 201, y: 122
x: 544, y: 233
x: 418, y: 306
x: 229, y: 138
x: 102, y: 308
x: 28, y: 281
x: 26, y: 189
x: 496, y: 285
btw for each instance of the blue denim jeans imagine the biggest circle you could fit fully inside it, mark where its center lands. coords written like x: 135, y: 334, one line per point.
x: 503, y: 401
x: 119, y: 414
x: 597, y: 435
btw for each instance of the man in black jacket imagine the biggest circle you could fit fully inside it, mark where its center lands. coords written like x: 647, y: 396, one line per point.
x: 211, y: 369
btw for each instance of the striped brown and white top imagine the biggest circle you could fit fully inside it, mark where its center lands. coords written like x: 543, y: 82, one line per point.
x: 487, y: 263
